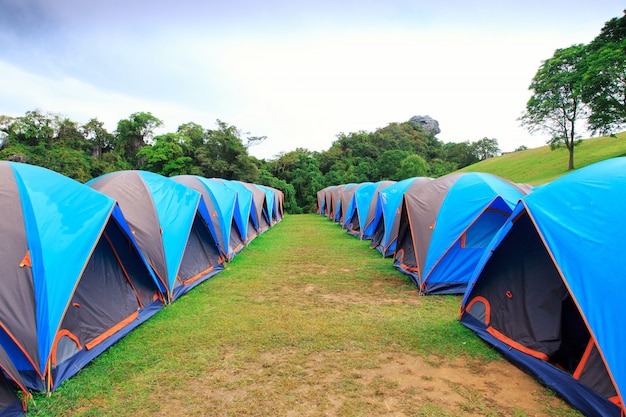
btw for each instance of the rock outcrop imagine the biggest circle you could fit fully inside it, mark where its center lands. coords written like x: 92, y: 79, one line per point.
x: 429, y: 124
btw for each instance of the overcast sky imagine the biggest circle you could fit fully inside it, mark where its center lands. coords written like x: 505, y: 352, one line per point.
x: 298, y: 72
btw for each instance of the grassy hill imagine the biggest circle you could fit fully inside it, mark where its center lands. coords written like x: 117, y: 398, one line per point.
x: 540, y: 165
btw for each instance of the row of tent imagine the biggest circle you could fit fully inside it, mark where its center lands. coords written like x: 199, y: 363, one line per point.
x: 84, y: 264
x: 541, y: 270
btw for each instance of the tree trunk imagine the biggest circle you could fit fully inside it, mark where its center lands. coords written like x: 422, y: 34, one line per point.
x: 570, y: 166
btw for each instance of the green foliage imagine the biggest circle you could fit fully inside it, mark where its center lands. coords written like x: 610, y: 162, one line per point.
x: 556, y: 105
x: 133, y: 134
x: 413, y: 166
x: 485, y: 148
x: 166, y: 156
x: 604, y: 78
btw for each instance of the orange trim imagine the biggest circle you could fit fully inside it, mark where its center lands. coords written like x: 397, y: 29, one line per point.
x: 112, y: 330
x: 238, y: 247
x: 617, y: 401
x: 463, y: 239
x: 483, y: 300
x: 583, y: 360
x: 21, y: 348
x: 410, y: 268
x: 60, y: 334
x: 198, y: 276
x: 26, y: 260
x: 516, y: 345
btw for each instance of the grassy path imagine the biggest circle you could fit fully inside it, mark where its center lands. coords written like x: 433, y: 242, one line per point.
x: 306, y: 321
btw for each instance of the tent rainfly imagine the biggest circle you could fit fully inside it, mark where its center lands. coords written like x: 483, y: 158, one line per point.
x: 171, y: 224
x: 446, y: 224
x: 221, y: 203
x: 388, y: 214
x: 245, y: 215
x: 365, y: 199
x: 73, y: 278
x: 549, y: 291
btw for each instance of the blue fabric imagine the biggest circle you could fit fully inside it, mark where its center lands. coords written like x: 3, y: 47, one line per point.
x: 389, y: 199
x: 269, y: 201
x: 244, y: 204
x: 362, y: 199
x: 580, y: 216
x: 466, y: 201
x: 224, y: 200
x: 63, y: 220
x: 176, y: 206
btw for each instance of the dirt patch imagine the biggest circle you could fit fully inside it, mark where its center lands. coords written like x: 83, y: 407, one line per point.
x: 290, y: 383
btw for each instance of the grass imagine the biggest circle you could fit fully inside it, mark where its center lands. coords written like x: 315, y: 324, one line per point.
x: 306, y: 321
x: 540, y: 165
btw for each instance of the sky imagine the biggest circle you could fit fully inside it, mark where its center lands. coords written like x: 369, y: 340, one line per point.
x: 297, y: 72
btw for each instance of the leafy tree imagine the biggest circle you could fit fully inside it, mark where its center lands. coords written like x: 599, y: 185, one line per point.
x: 460, y: 154
x: 439, y: 167
x: 166, y: 156
x: 389, y: 164
x: 134, y: 133
x: 485, y: 148
x: 413, y: 166
x: 521, y: 148
x: 101, y: 140
x: 604, y: 78
x: 32, y: 129
x: 556, y: 105
x: 300, y: 169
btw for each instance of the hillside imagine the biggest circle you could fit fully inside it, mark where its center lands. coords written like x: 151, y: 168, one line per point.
x: 540, y: 165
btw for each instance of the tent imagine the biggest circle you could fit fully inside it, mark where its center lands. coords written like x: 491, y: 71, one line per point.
x: 220, y: 201
x: 388, y: 218
x: 279, y: 204
x: 446, y: 224
x: 269, y: 208
x: 364, y: 207
x: 245, y: 215
x: 73, y: 279
x: 348, y: 204
x: 323, y: 200
x: 549, y: 292
x: 171, y: 224
x: 332, y: 201
x: 10, y: 380
x: 259, y: 207
x: 336, y: 194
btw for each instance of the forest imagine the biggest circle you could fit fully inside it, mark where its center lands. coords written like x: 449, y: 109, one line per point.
x: 86, y: 151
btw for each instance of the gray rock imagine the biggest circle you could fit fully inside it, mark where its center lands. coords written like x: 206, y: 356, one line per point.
x: 429, y: 124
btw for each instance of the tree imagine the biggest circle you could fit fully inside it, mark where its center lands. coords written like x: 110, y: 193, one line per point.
x: 134, y: 133
x: 389, y: 164
x: 556, y: 105
x: 485, y: 148
x: 413, y: 166
x: 461, y: 154
x: 166, y: 156
x: 101, y: 140
x: 604, y: 78
x: 226, y: 155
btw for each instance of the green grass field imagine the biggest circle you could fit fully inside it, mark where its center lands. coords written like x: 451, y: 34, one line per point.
x: 306, y: 321
x: 540, y: 165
